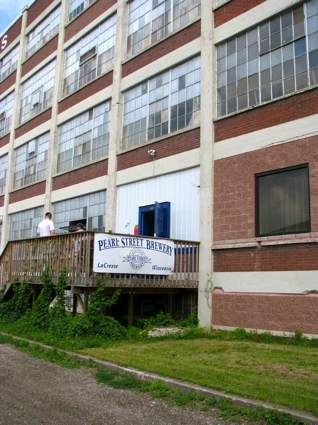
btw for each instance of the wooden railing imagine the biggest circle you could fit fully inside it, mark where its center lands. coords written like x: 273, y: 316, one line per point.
x: 26, y: 260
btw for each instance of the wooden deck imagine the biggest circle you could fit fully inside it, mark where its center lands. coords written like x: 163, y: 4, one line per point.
x: 26, y: 260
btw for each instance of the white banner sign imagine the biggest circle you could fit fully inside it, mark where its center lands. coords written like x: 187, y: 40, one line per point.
x: 132, y: 255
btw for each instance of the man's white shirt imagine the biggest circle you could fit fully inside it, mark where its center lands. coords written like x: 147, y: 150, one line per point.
x: 45, y: 227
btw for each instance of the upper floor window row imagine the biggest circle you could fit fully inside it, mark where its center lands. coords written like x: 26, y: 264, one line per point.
x: 150, y: 21
x: 43, y: 32
x: 277, y: 58
x: 6, y: 112
x: 76, y: 7
x: 84, y: 138
x: 30, y: 162
x: 162, y: 105
x: 90, y: 57
x: 37, y: 92
x: 9, y: 63
x: 3, y: 172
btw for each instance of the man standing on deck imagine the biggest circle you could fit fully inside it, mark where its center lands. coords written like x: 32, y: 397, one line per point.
x: 46, y: 226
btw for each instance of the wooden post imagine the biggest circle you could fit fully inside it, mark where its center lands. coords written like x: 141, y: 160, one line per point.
x: 170, y: 305
x: 74, y: 312
x: 86, y: 298
x: 131, y: 309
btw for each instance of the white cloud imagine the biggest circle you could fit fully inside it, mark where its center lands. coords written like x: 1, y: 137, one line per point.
x: 13, y: 8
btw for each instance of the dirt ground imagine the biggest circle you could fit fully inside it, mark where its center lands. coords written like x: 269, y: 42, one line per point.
x: 33, y: 392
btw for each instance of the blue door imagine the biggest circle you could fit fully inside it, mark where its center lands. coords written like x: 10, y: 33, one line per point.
x: 154, y: 220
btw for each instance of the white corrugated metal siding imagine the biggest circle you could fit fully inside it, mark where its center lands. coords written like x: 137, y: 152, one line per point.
x: 181, y: 189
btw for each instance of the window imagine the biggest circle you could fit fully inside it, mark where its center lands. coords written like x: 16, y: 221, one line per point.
x: 269, y: 61
x: 149, y: 21
x: 84, y: 139
x: 43, y: 32
x: 283, y: 202
x: 90, y: 57
x: 9, y: 63
x: 30, y: 162
x: 3, y: 172
x: 164, y: 104
x: 88, y: 210
x: 77, y: 6
x: 23, y: 225
x: 6, y: 112
x: 154, y: 220
x: 37, y: 92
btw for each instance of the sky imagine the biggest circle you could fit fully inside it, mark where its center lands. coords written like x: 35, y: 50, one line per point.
x: 9, y: 10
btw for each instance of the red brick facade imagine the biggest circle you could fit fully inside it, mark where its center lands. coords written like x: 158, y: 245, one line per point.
x: 288, y: 313
x: 302, y: 256
x: 27, y: 192
x: 12, y: 33
x: 83, y: 174
x: 89, y: 15
x: 34, y: 122
x: 164, y: 47
x: 4, y: 140
x: 8, y: 82
x: 233, y: 9
x: 234, y: 191
x: 288, y: 109
x: 40, y: 55
x: 166, y: 147
x: 37, y: 8
x: 87, y: 91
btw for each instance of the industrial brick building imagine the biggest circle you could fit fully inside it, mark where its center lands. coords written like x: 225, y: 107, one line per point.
x: 184, y: 119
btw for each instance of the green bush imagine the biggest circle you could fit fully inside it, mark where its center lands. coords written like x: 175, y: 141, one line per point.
x: 39, y: 317
x: 19, y: 304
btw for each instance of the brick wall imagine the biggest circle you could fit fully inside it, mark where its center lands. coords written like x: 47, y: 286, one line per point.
x: 35, y: 122
x: 164, y: 47
x: 302, y: 256
x: 27, y: 192
x: 166, y: 147
x: 234, y: 192
x: 288, y: 109
x: 1, y: 201
x: 83, y: 174
x: 82, y: 94
x: 8, y: 82
x: 12, y: 33
x: 89, y: 15
x: 37, y: 8
x: 4, y: 140
x: 40, y: 55
x: 233, y: 9
x: 265, y: 311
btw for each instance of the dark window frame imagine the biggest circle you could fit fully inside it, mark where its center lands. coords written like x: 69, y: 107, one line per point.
x: 257, y: 206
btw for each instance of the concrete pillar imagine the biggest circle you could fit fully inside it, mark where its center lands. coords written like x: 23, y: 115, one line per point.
x: 14, y: 124
x: 116, y: 114
x: 206, y: 166
x: 52, y: 149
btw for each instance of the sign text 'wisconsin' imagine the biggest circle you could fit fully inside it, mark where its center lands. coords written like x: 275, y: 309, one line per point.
x: 133, y: 255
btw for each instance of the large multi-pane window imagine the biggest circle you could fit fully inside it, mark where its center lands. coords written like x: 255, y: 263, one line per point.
x: 277, y: 58
x: 30, y: 162
x: 3, y: 172
x: 23, y: 225
x: 43, y: 32
x: 89, y: 210
x: 149, y: 21
x: 6, y: 112
x: 37, y: 92
x: 77, y: 6
x: 90, y: 57
x: 84, y: 138
x: 9, y: 63
x: 166, y: 103
x: 283, y: 202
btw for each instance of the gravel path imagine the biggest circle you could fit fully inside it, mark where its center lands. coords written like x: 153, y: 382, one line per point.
x: 33, y: 392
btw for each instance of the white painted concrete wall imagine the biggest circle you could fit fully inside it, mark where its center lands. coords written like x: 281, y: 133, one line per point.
x: 181, y: 189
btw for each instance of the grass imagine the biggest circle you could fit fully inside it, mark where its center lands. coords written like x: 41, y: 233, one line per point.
x: 278, y: 373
